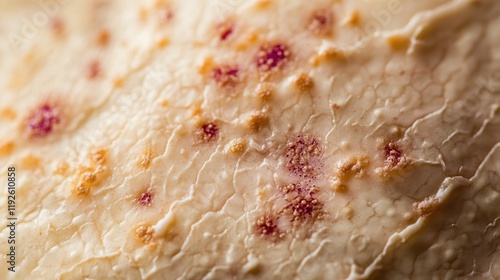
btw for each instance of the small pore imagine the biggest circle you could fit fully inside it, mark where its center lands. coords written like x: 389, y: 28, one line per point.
x: 225, y: 75
x: 207, y: 132
x: 303, y: 156
x: 272, y: 57
x: 43, y: 121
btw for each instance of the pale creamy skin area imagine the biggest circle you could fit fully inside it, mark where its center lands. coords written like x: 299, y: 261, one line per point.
x: 421, y: 75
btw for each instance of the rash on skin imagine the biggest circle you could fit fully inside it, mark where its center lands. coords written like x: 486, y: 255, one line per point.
x: 145, y: 199
x: 302, y: 204
x: 272, y: 57
x: 207, y: 132
x: 394, y: 160
x: 267, y: 226
x: 303, y: 156
x: 225, y: 30
x: 43, y: 121
x: 225, y: 75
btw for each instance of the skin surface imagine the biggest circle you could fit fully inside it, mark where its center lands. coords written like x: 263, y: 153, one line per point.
x: 262, y: 139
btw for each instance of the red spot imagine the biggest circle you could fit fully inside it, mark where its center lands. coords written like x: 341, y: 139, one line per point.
x: 58, y: 26
x: 393, y: 155
x: 226, y: 29
x: 166, y: 15
x: 303, y: 156
x: 94, y: 69
x: 207, y: 132
x: 43, y: 121
x: 272, y: 57
x: 225, y: 75
x: 320, y: 22
x: 145, y: 199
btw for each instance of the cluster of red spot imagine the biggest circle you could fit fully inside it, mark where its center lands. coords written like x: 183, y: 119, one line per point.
x: 272, y: 57
x: 145, y: 199
x: 301, y: 202
x: 225, y: 75
x: 207, y: 132
x: 43, y: 121
x: 302, y: 156
x: 268, y: 226
x: 393, y: 155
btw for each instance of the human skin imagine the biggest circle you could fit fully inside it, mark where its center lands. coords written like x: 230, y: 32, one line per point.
x: 263, y: 139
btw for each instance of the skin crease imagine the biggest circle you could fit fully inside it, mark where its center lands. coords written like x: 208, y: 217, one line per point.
x: 251, y: 139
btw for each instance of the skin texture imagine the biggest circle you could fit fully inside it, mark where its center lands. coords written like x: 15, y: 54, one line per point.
x: 260, y: 139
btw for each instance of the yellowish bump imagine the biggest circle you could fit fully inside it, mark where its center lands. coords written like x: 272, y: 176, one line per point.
x: 265, y: 92
x: 144, y: 233
x: 164, y: 103
x: 238, y: 146
x: 8, y: 114
x: 62, y: 169
x: 162, y: 43
x: 196, y: 110
x: 262, y: 4
x: 98, y: 157
x: 398, y: 42
x: 87, y: 178
x: 303, y: 82
x: 353, y: 18
x: 145, y: 159
x: 30, y: 162
x: 347, y: 212
x: 327, y: 55
x: 257, y: 121
x: 262, y: 194
x: 340, y: 187
x: 118, y: 82
x: 143, y: 13
x: 7, y: 148
x: 207, y: 64
x: 248, y: 40
x: 353, y: 166
x: 103, y: 37
x: 162, y: 4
